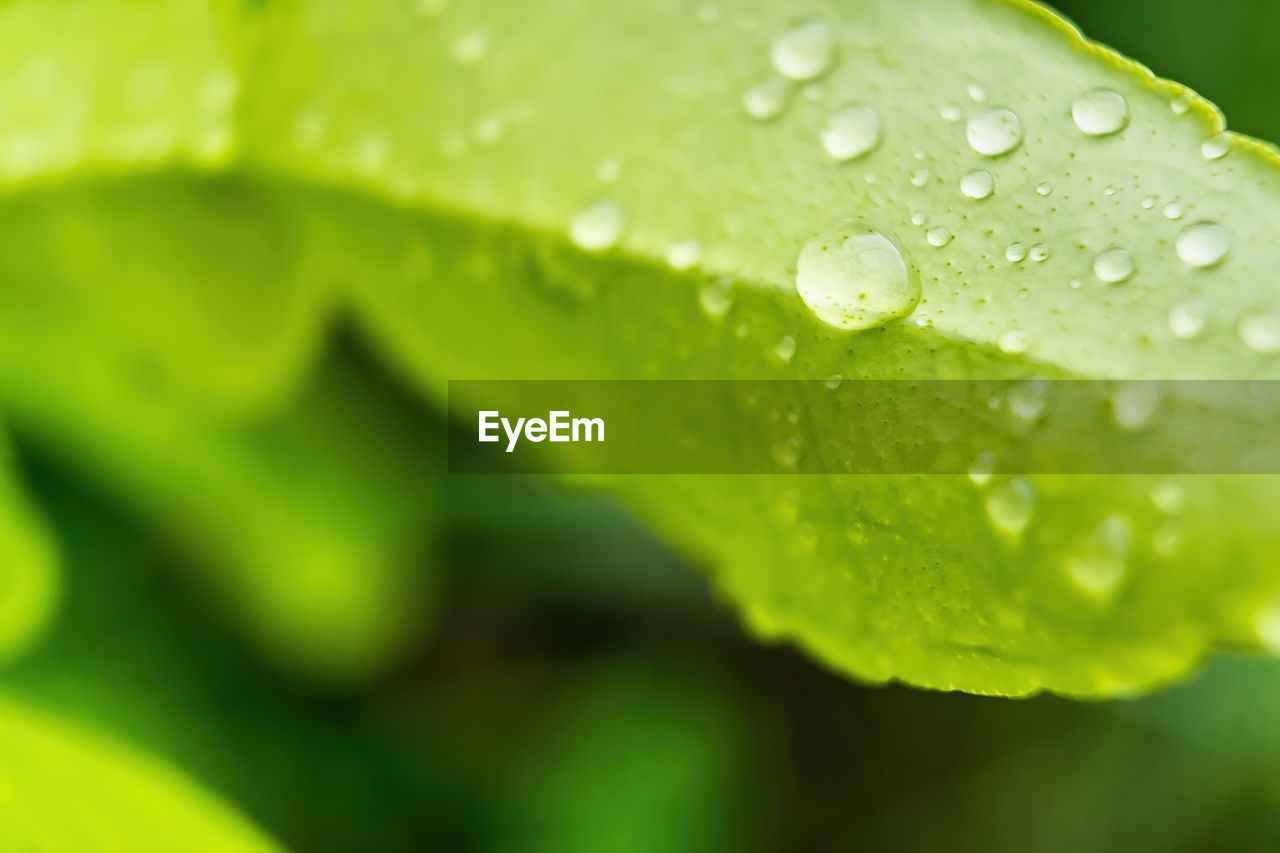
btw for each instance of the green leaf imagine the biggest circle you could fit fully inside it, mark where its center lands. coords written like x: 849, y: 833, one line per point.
x: 30, y: 574
x: 495, y: 126
x: 70, y: 790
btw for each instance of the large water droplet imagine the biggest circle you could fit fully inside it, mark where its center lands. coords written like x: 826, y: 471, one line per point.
x: 851, y: 131
x: 804, y: 52
x: 597, y: 227
x: 854, y: 277
x: 1204, y: 244
x: 1261, y: 332
x: 977, y: 184
x: 1187, y: 319
x: 994, y: 132
x: 1113, y: 266
x: 1011, y: 505
x: 1098, y: 562
x: 1100, y: 112
x: 764, y: 101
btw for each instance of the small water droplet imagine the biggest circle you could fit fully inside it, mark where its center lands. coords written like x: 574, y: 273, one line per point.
x: 684, y: 255
x: 1014, y: 342
x: 1169, y: 497
x: 854, y: 277
x: 1100, y: 112
x: 597, y: 227
x: 1113, y: 266
x: 786, y: 348
x: 608, y: 170
x: 1203, y: 244
x: 1044, y: 189
x: 765, y: 100
x: 982, y: 468
x: 1173, y: 211
x: 804, y: 52
x: 716, y: 299
x: 1148, y: 202
x: 1039, y: 253
x: 977, y: 184
x: 1260, y: 332
x: 1011, y: 505
x: 1187, y: 319
x: 1110, y: 191
x: 851, y: 131
x: 471, y: 47
x: 994, y: 132
x: 1180, y: 105
x: 1015, y: 253
x: 938, y: 237
x: 1134, y: 404
x: 950, y: 113
x: 919, y: 217
x: 919, y: 177
x: 833, y: 382
x: 977, y: 93
x: 1215, y: 147
x: 1027, y: 401
x: 1099, y: 562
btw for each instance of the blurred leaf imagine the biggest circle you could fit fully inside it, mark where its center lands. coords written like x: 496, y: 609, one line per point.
x: 68, y: 790
x: 30, y: 574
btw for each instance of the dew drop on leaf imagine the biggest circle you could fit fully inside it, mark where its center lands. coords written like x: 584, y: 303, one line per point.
x: 1044, y: 189
x: 982, y: 468
x: 1099, y: 561
x: 1173, y: 211
x: 1014, y: 342
x: 684, y: 255
x: 597, y: 227
x: 1113, y: 266
x: 1260, y: 332
x: 854, y: 277
x: 765, y: 100
x: 994, y: 132
x: 1204, y: 244
x: 786, y: 348
x: 977, y: 184
x: 1100, y: 112
x: 804, y: 52
x: 938, y: 237
x: 1215, y: 147
x: 851, y: 131
x: 1187, y: 319
x: 1039, y: 253
x: 1134, y: 404
x: 1015, y: 253
x: 1011, y: 505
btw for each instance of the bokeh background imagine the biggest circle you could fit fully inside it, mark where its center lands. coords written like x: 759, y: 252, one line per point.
x: 567, y: 683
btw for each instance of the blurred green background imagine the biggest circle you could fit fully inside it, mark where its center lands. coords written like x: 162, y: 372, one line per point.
x: 567, y: 683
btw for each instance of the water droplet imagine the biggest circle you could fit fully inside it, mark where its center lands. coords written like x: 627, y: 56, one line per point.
x: 804, y: 52
x: 1215, y: 147
x: 1261, y: 332
x: 833, y: 382
x: 597, y: 227
x: 471, y: 47
x: 919, y: 217
x: 978, y: 93
x: 1011, y: 505
x: 851, y: 132
x: 1098, y: 562
x: 1039, y: 253
x: 1014, y: 342
x: 1113, y: 266
x: 1134, y: 404
x: 786, y: 348
x: 1015, y: 253
x: 684, y: 255
x: 765, y: 101
x: 982, y: 468
x: 1027, y: 401
x: 950, y: 113
x: 994, y: 132
x: 1180, y: 105
x: 919, y: 177
x: 1187, y: 319
x: 853, y: 277
x: 1148, y: 202
x: 1110, y: 191
x: 978, y: 184
x: 1100, y: 112
x: 1173, y: 211
x: 1044, y: 189
x: 608, y: 170
x: 1169, y: 497
x: 1203, y: 244
x: 938, y: 237
x: 716, y: 299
